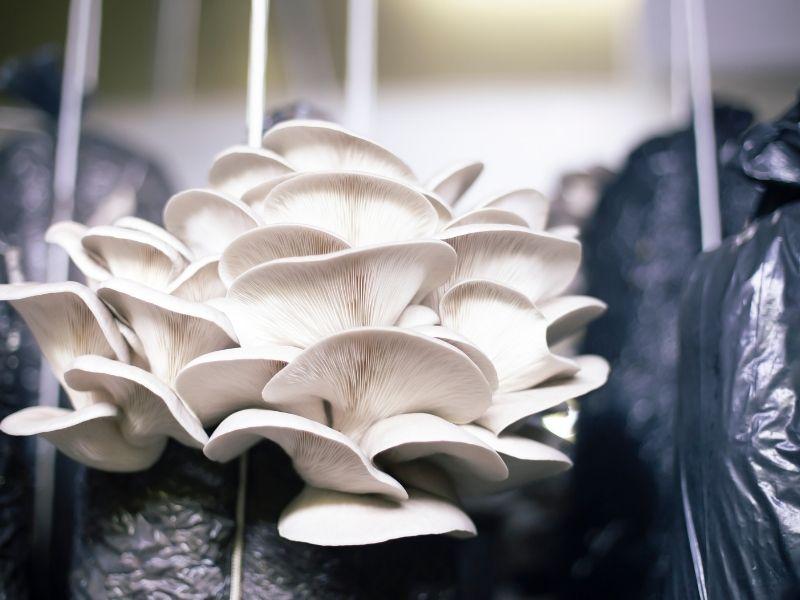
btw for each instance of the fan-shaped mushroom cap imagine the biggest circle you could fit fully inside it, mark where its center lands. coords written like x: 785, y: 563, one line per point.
x: 412, y: 436
x: 510, y: 408
x: 240, y: 168
x: 297, y: 301
x: 488, y: 216
x: 417, y: 315
x: 569, y: 314
x: 309, y: 145
x: 369, y: 374
x: 443, y: 211
x: 150, y: 410
x: 219, y: 383
x: 329, y: 518
x: 537, y: 264
x: 565, y: 231
x: 527, y: 461
x: 162, y: 234
x: 255, y: 196
x: 322, y: 456
x: 67, y: 320
x: 506, y: 325
x: 359, y: 208
x: 273, y: 242
x: 89, y: 435
x: 454, y: 181
x: 172, y: 330
x: 199, y: 282
x: 68, y: 235
x: 474, y: 353
x: 134, y: 255
x: 530, y: 205
x: 206, y: 221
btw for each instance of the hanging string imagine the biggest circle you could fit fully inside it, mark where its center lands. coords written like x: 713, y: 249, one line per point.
x: 360, y: 85
x: 703, y: 119
x: 82, y: 16
x: 256, y: 79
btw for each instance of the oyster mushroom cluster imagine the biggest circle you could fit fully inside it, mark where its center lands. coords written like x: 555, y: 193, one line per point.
x: 318, y: 296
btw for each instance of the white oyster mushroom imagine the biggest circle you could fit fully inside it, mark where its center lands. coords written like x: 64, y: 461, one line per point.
x: 273, y: 242
x: 361, y: 209
x: 297, y: 301
x: 451, y: 183
x: 368, y: 374
x: 199, y: 282
x: 322, y: 456
x: 331, y: 518
x: 68, y: 320
x: 529, y: 205
x: 505, y: 325
x: 537, y: 264
x: 157, y: 231
x: 510, y: 408
x: 566, y: 315
x: 475, y: 354
x: 220, y: 383
x: 126, y: 426
x: 309, y: 145
x: 488, y: 216
x: 172, y: 330
x: 110, y: 251
x: 207, y: 221
x: 238, y: 169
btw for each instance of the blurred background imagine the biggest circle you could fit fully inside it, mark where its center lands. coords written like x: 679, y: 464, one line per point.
x: 586, y: 100
x: 532, y: 87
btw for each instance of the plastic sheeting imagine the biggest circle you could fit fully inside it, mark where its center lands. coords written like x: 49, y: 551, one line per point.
x: 638, y: 248
x: 738, y: 419
x: 26, y: 173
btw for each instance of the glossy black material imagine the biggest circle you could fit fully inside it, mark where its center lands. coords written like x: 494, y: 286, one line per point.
x: 738, y: 419
x: 638, y: 249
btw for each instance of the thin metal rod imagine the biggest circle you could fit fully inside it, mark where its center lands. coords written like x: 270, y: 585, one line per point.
x: 703, y: 118
x: 361, y: 74
x: 256, y: 82
x: 238, y: 540
x: 65, y: 171
x: 256, y: 71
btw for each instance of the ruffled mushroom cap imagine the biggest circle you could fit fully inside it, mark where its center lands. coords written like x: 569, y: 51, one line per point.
x: 368, y: 374
x: 529, y: 205
x: 331, y: 518
x: 297, y: 301
x: 110, y: 251
x: 149, y: 410
x: 309, y: 145
x: 488, y: 216
x: 218, y: 384
x: 537, y: 264
x: 510, y: 408
x: 506, y: 325
x: 89, y: 435
x: 68, y: 320
x: 454, y: 181
x: 273, y: 242
x: 322, y: 456
x: 412, y: 436
x: 567, y: 315
x: 417, y: 315
x: 199, y: 282
x: 474, y: 353
x: 360, y: 209
x: 527, y: 461
x: 238, y: 169
x: 172, y: 330
x: 156, y: 231
x: 207, y: 221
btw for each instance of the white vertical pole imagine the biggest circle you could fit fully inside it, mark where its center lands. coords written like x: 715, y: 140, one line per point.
x: 703, y: 118
x: 256, y: 80
x: 65, y: 171
x: 361, y: 73
x: 256, y: 71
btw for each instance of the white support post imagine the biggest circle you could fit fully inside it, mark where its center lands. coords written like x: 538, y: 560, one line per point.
x: 256, y: 71
x: 83, y: 14
x: 703, y: 119
x: 361, y: 73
